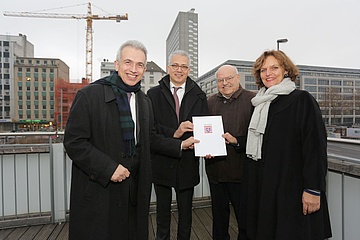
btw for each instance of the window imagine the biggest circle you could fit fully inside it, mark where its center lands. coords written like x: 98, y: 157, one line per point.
x: 310, y: 88
x: 310, y: 81
x: 249, y: 79
x: 251, y: 87
x: 348, y: 83
x: 323, y: 89
x: 336, y: 82
x: 348, y: 90
x: 323, y: 82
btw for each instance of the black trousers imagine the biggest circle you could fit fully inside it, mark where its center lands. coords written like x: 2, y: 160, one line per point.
x: 163, y: 212
x: 221, y: 195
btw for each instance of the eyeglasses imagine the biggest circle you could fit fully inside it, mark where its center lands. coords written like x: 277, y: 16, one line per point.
x: 227, y: 79
x: 176, y: 66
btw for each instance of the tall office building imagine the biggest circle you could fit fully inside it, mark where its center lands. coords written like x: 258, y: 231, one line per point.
x: 11, y: 47
x: 184, y: 36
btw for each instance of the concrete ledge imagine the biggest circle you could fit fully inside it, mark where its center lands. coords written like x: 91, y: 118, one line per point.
x: 349, y: 168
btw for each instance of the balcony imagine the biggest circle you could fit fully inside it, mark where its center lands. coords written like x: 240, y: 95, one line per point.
x: 35, y: 186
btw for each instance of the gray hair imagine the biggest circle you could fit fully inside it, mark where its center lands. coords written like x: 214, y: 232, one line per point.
x: 178, y: 52
x: 235, y: 68
x: 134, y: 44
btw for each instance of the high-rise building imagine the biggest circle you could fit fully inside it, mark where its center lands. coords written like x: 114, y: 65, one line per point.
x: 337, y: 90
x: 184, y: 36
x: 150, y: 79
x: 11, y: 47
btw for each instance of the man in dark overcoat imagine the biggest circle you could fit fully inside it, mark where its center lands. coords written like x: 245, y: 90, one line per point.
x: 108, y: 138
x: 180, y: 173
x: 227, y: 174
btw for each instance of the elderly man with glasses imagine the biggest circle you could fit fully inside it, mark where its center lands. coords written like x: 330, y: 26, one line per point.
x: 175, y: 101
x: 226, y: 174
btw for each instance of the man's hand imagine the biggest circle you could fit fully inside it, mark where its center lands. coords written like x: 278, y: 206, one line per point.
x: 120, y: 174
x: 189, y: 143
x: 229, y: 138
x: 183, y: 127
x: 311, y: 203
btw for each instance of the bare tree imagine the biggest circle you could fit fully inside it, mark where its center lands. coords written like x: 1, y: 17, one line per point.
x: 331, y: 103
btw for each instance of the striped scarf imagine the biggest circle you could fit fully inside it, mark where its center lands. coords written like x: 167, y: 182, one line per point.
x: 127, y: 124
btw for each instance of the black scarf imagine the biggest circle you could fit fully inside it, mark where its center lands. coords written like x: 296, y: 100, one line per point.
x: 126, y: 122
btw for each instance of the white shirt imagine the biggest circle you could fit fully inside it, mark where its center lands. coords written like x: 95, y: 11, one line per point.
x: 180, y: 92
x: 133, y: 112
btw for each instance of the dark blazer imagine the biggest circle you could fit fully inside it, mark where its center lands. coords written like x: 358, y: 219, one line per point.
x: 293, y: 158
x: 167, y: 171
x: 236, y: 114
x: 93, y: 140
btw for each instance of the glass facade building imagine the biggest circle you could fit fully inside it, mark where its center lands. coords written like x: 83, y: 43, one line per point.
x: 337, y: 90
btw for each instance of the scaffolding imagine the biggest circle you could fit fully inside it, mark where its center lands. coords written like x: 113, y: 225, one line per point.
x: 64, y: 96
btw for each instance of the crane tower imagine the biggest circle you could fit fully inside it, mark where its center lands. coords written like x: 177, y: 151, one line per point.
x: 89, y: 31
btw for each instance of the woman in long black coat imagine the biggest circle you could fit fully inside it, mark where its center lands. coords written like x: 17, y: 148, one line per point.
x: 287, y: 144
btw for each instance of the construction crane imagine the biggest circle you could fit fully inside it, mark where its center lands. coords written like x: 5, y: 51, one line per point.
x: 89, y: 30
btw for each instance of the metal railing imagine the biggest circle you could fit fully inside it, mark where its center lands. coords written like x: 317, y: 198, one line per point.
x: 35, y: 183
x: 30, y: 178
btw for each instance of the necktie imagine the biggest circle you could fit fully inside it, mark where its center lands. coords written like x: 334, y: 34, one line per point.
x: 128, y: 96
x: 177, y: 104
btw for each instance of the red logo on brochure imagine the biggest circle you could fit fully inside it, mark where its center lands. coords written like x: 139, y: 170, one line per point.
x: 208, y: 129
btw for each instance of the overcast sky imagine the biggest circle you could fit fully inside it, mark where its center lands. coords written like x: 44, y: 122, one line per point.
x: 320, y: 32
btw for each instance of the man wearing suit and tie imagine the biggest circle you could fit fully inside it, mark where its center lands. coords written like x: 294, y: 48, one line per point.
x: 175, y: 101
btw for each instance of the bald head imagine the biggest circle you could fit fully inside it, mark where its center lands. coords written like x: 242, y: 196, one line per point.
x: 228, y: 80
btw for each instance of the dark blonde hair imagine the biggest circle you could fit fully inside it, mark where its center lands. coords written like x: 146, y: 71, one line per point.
x: 283, y: 60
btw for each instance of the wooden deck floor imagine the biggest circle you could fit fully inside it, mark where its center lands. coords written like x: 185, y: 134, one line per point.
x: 201, y: 228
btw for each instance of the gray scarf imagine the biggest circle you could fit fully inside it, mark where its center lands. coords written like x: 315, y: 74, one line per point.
x: 258, y: 121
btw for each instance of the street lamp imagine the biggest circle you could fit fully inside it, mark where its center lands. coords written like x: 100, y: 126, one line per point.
x: 283, y: 40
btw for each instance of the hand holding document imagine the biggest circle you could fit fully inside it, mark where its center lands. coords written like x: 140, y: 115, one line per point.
x: 209, y: 130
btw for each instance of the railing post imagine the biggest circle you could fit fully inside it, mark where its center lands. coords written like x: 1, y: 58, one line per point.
x: 52, y: 191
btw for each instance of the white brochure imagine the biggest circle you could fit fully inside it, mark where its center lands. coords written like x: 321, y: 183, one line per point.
x: 208, y: 130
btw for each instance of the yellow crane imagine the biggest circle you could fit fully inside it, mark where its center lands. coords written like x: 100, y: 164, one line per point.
x: 89, y: 31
